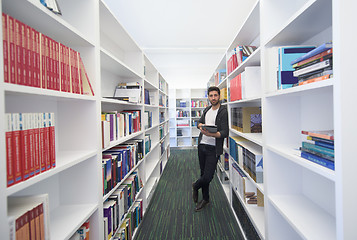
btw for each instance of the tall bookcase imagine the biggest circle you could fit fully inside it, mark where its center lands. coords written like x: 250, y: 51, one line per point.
x: 110, y: 57
x: 190, y: 102
x: 302, y: 200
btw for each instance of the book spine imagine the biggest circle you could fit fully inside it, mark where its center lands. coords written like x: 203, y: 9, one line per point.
x: 317, y: 79
x: 5, y: 44
x: 63, y: 66
x: 319, y: 160
x: 57, y: 66
x: 16, y: 144
x: 42, y: 139
x: 29, y: 55
x: 31, y: 134
x: 12, y: 50
x: 9, y: 151
x: 37, y: 143
x: 317, y: 148
x: 52, y: 138
x: 24, y: 146
x: 312, y: 68
x: 47, y: 140
x: 24, y: 54
x: 319, y: 135
x: 18, y: 56
x: 43, y: 60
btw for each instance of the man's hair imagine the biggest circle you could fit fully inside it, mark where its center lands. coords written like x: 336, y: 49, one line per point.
x: 213, y: 88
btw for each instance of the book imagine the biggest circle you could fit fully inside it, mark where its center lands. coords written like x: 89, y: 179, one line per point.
x: 313, y: 52
x: 210, y: 128
x: 286, y: 54
x: 322, y: 142
x: 319, y: 160
x: 316, y: 79
x: 319, y: 154
x: 325, y: 134
x: 51, y: 5
x: 317, y: 58
x: 314, y: 67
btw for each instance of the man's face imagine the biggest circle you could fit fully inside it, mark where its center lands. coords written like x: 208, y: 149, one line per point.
x: 213, y: 97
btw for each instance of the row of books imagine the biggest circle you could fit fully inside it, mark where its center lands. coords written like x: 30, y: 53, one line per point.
x: 318, y: 147
x: 314, y: 66
x: 224, y: 95
x: 196, y: 113
x: 116, y: 125
x: 194, y: 122
x: 162, y: 117
x: 30, y: 145
x: 219, y: 76
x: 237, y: 56
x: 163, y: 100
x: 146, y: 97
x: 246, y: 119
x: 224, y: 160
x: 246, y: 84
x: 162, y: 147
x: 147, y: 119
x: 34, y: 59
x: 199, y: 103
x: 249, y: 157
x: 119, y: 160
x: 162, y: 131
x: 299, y: 65
x: 131, y: 222
x: 147, y: 140
x: 183, y: 122
x: 182, y: 103
x: 82, y: 233
x: 118, y: 204
x: 29, y: 217
x: 182, y: 113
x: 250, y: 195
x: 129, y: 92
x: 163, y: 85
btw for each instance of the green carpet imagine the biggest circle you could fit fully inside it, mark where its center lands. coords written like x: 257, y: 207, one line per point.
x: 171, y: 214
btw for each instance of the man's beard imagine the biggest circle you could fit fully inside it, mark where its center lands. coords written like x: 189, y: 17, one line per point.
x: 215, y: 103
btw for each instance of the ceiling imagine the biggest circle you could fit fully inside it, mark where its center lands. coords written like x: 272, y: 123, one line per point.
x: 185, y: 39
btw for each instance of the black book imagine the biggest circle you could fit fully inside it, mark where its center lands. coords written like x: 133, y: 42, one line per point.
x: 210, y: 128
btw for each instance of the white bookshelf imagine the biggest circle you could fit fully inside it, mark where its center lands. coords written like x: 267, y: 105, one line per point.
x: 302, y: 200
x: 188, y: 132
x: 110, y: 56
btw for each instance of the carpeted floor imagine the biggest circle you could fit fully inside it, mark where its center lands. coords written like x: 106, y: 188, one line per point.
x: 171, y: 214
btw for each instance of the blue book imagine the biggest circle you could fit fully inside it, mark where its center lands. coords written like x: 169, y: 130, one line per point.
x: 319, y: 160
x: 319, y: 49
x: 323, y: 144
x: 285, y: 68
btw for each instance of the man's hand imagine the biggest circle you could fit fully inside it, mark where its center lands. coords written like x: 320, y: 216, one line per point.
x: 209, y: 134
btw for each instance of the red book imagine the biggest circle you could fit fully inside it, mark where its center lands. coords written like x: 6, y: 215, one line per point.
x: 236, y: 88
x: 37, y: 57
x: 10, y: 173
x: 36, y: 143
x: 19, y: 223
x: 57, y: 66
x: 46, y: 141
x: 42, y: 139
x: 43, y: 52
x: 5, y: 44
x: 24, y: 146
x: 72, y: 66
x: 12, y: 50
x: 29, y: 51
x: 52, y: 138
x: 63, y: 67
x: 48, y: 62
x: 68, y: 69
x: 24, y: 53
x: 76, y: 72
x: 16, y: 144
x: 18, y: 50
x: 31, y: 149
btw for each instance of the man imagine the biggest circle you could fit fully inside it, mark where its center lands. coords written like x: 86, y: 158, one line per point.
x: 210, y: 145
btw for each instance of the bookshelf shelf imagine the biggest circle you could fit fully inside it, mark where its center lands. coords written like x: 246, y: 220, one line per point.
x: 252, y: 60
x: 110, y: 56
x: 291, y: 153
x: 296, y: 208
x: 42, y: 94
x: 253, y: 137
x: 66, y: 219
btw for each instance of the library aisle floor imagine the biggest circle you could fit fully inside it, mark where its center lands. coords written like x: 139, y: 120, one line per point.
x: 171, y: 213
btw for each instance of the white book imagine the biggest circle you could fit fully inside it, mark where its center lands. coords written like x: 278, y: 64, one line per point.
x: 251, y: 82
x: 314, y: 67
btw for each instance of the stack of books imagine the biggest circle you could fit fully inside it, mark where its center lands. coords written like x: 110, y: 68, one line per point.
x: 319, y: 148
x: 182, y: 113
x: 314, y: 66
x: 130, y: 92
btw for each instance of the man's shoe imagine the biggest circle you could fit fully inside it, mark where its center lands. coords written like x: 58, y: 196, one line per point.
x: 201, y: 205
x: 194, y: 193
